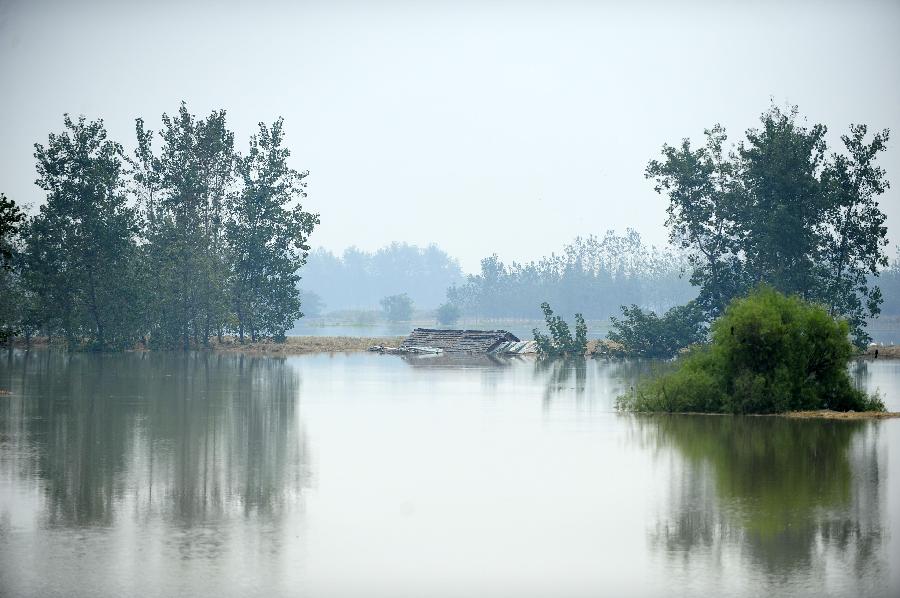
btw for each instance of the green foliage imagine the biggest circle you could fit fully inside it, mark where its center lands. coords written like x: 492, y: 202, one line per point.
x: 178, y: 244
x: 644, y: 334
x: 397, y: 308
x: 226, y: 233
x: 12, y: 295
x: 184, y: 188
x: 780, y: 209
x: 81, y: 256
x: 448, y: 314
x: 11, y: 218
x: 770, y: 353
x: 267, y: 233
x: 560, y: 341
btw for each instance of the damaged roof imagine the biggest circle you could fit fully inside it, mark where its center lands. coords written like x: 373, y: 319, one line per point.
x: 457, y: 341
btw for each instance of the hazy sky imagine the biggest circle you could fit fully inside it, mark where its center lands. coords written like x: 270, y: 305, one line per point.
x: 483, y: 127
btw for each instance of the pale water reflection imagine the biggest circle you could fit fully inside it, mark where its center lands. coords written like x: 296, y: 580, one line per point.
x: 369, y: 475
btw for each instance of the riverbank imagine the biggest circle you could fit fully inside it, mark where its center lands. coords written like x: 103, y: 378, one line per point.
x: 817, y: 414
x: 829, y: 414
x: 293, y: 345
x: 300, y: 345
x: 883, y: 352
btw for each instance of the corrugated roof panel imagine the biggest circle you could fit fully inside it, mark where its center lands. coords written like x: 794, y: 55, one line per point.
x: 458, y: 341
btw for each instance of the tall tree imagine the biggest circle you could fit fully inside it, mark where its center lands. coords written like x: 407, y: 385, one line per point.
x: 783, y: 211
x: 782, y: 205
x: 11, y: 218
x: 267, y: 234
x: 703, y: 195
x: 853, y: 235
x: 183, y: 191
x: 12, y: 295
x: 81, y: 252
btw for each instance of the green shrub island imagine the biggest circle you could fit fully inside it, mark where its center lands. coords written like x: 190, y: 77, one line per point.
x: 770, y: 353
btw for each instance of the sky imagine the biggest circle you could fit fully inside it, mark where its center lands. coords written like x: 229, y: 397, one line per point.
x: 483, y: 127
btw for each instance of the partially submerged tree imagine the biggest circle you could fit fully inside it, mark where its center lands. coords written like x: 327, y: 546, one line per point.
x: 560, y: 340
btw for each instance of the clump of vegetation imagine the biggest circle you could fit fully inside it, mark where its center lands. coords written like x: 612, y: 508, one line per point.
x: 560, y: 341
x: 644, y: 334
x: 448, y: 314
x: 770, y: 353
x: 397, y: 308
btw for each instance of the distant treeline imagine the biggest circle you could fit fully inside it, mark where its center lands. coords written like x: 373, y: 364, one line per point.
x: 170, y: 245
x: 359, y: 279
x: 594, y: 276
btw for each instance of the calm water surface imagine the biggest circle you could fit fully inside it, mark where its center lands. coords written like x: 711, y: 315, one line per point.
x: 369, y: 475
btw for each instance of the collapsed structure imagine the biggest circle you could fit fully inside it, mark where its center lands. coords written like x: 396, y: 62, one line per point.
x: 464, y: 342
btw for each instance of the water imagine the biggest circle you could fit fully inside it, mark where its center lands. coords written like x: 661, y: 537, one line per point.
x: 370, y: 475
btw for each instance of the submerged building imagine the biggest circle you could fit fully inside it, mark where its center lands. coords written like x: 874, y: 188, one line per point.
x: 471, y: 342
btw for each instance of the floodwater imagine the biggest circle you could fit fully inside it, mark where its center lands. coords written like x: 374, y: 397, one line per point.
x: 371, y: 475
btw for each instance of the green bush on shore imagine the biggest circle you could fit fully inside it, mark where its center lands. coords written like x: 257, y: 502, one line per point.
x: 770, y: 353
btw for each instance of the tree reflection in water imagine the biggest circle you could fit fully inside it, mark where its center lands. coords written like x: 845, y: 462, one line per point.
x: 561, y: 374
x: 606, y: 379
x: 190, y: 438
x: 788, y: 495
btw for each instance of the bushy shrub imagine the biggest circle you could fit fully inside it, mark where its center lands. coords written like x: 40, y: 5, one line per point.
x: 560, y: 340
x: 770, y: 353
x: 447, y: 314
x: 644, y: 334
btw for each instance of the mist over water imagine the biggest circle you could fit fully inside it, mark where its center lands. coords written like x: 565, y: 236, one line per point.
x: 364, y: 475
